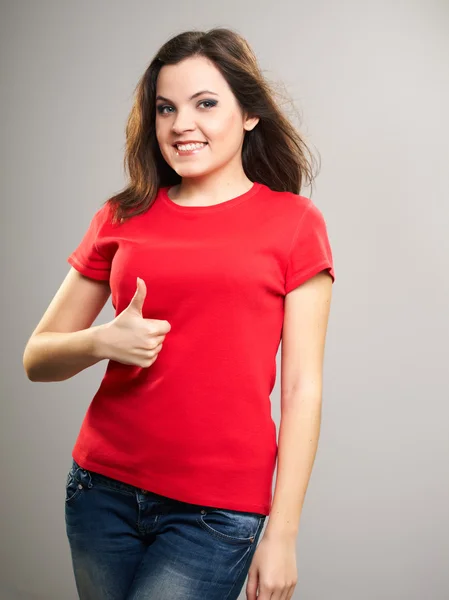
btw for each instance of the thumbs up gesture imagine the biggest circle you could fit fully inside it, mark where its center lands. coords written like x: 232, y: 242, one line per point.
x: 136, y: 304
x: 129, y: 338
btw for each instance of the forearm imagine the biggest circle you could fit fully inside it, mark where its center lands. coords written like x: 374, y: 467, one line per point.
x: 54, y: 356
x: 297, y: 445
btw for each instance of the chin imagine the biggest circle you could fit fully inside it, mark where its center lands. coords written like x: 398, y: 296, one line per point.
x: 190, y: 171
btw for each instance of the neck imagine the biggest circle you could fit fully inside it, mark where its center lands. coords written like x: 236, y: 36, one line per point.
x: 211, y: 189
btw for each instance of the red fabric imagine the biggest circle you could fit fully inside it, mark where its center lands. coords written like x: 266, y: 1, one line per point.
x: 196, y: 425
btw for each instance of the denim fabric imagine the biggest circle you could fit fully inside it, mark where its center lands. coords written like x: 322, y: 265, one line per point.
x: 132, y: 544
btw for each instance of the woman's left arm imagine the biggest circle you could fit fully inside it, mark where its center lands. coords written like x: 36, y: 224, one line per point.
x: 306, y: 314
x: 303, y: 341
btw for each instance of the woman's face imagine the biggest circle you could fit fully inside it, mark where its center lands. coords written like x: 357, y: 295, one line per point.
x: 212, y: 117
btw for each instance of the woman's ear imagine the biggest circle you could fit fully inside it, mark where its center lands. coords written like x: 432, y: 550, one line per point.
x: 250, y: 123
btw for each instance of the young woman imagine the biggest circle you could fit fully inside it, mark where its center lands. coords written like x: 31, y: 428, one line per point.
x: 211, y: 257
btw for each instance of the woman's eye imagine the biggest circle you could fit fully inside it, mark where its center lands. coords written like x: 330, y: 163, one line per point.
x: 211, y: 103
x: 161, y: 107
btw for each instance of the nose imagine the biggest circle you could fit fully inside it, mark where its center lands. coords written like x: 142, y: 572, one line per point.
x: 182, y: 123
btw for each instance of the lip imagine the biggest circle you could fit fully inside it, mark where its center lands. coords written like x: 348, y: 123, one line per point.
x: 188, y: 153
x: 188, y: 142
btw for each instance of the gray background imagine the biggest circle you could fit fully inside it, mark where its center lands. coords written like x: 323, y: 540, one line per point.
x: 371, y: 80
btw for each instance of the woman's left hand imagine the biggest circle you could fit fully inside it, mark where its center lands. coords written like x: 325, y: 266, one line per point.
x: 273, y: 570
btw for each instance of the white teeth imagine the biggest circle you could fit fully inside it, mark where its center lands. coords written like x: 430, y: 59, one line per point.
x: 186, y: 147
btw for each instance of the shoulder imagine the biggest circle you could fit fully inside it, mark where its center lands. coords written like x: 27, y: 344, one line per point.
x: 294, y: 206
x: 104, y: 216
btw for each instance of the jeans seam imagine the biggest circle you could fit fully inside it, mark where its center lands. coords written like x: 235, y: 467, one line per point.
x: 224, y: 536
x: 245, y: 562
x: 106, y: 486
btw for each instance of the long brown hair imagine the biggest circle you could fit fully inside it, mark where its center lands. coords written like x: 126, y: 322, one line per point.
x: 273, y: 153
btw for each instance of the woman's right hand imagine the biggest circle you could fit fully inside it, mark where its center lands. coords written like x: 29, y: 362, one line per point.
x: 129, y: 338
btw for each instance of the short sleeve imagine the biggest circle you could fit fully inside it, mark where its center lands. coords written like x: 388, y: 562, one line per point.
x: 311, y: 251
x: 86, y: 258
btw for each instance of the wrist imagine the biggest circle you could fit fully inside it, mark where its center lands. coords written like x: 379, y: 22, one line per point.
x: 281, y: 527
x: 98, y: 342
x: 284, y: 534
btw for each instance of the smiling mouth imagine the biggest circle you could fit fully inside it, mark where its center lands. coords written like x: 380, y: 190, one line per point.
x: 184, y: 149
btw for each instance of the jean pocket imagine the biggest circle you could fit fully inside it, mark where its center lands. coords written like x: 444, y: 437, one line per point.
x: 77, y: 480
x: 72, y: 488
x: 231, y: 526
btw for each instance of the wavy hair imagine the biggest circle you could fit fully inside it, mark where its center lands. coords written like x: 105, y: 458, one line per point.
x: 273, y: 153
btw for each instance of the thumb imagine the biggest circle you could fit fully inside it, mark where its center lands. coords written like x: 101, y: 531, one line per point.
x: 138, y: 299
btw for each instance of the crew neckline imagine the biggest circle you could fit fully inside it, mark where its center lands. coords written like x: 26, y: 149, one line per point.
x: 208, y: 208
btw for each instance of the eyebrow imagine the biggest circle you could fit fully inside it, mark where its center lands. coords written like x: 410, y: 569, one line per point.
x: 191, y: 97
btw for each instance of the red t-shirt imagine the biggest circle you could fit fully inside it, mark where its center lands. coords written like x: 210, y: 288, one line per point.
x: 196, y: 425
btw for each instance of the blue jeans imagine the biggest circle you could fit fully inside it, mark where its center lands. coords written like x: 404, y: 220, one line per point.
x: 131, y: 544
